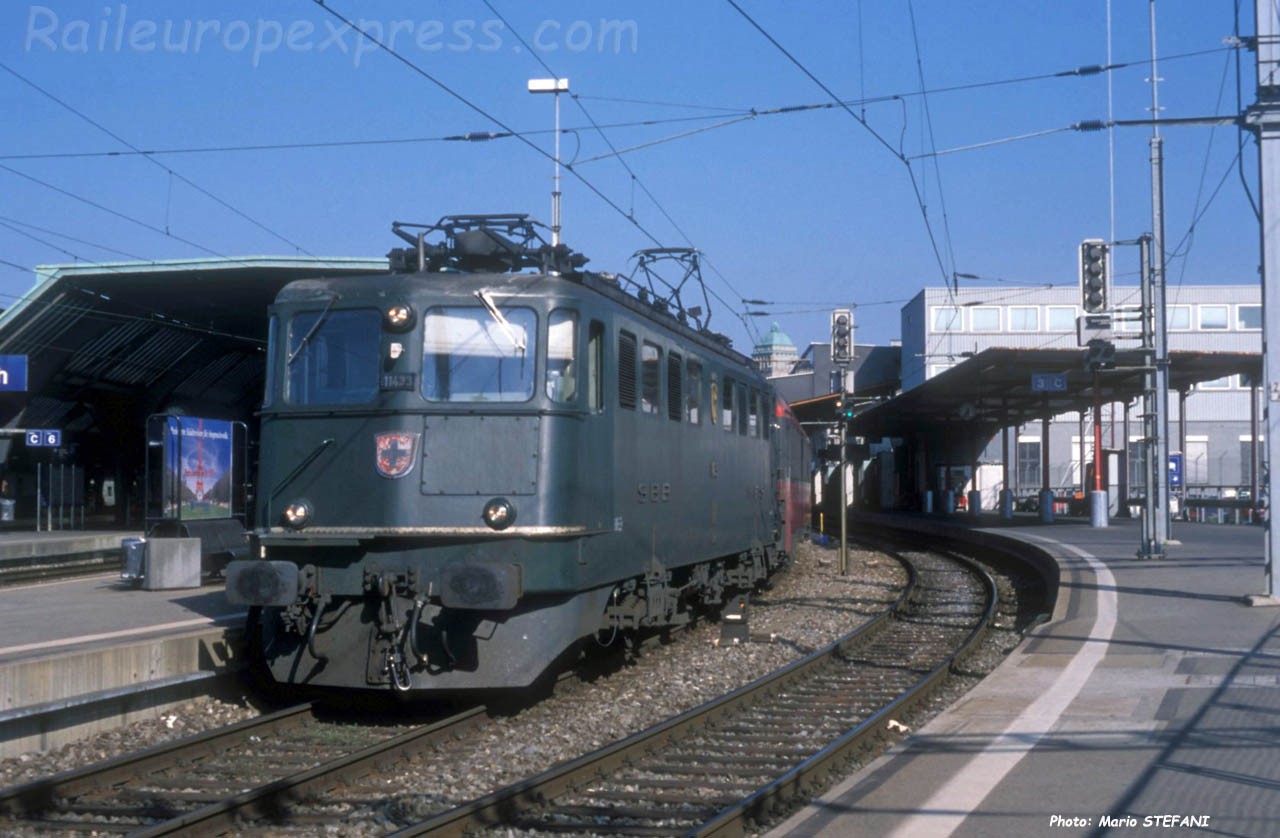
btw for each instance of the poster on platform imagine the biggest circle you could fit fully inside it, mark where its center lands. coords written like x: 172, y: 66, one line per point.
x: 197, y: 468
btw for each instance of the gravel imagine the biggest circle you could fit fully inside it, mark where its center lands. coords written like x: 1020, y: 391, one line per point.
x: 807, y: 607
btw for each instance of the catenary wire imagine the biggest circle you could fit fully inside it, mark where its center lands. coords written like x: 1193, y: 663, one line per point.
x: 216, y: 199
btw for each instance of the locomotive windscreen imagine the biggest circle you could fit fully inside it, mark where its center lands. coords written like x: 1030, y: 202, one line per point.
x: 471, y: 356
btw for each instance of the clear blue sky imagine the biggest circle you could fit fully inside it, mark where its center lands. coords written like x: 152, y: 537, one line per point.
x: 807, y: 209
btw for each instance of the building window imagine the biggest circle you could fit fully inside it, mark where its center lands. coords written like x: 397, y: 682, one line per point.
x: 1217, y: 384
x: 1195, y: 461
x: 1029, y: 465
x: 1248, y: 318
x: 948, y: 319
x: 1246, y: 459
x: 1137, y: 466
x: 1129, y: 319
x: 693, y: 404
x: 1024, y: 318
x: 1061, y: 318
x: 651, y: 386
x: 1178, y: 318
x: 1213, y: 318
x: 985, y: 319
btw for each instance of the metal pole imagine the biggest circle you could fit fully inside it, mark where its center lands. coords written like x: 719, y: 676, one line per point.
x: 1253, y: 450
x: 39, y: 492
x: 1161, y: 466
x: 844, y: 503
x: 555, y: 189
x: 1122, y: 511
x: 1098, y: 510
x: 1151, y: 546
x: 1264, y: 116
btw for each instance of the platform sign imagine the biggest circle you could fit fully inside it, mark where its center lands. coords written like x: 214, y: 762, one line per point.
x: 1175, y: 470
x: 44, y: 438
x: 13, y: 373
x: 1048, y: 382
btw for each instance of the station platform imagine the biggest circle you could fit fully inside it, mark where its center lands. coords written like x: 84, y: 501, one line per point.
x: 1149, y: 701
x: 77, y: 643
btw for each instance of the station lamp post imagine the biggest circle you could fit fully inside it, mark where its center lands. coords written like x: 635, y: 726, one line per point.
x: 554, y: 87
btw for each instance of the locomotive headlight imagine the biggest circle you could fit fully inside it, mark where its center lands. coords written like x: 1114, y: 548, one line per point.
x: 399, y: 317
x: 499, y: 513
x: 297, y: 514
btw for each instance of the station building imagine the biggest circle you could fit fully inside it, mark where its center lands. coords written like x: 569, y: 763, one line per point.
x: 1210, y: 421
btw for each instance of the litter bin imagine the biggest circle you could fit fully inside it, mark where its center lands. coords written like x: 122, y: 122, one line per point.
x: 6, y: 510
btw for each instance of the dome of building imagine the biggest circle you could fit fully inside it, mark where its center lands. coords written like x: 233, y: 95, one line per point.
x: 775, y: 354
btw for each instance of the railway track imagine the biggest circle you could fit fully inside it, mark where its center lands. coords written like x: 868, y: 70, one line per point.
x: 754, y: 753
x: 714, y: 768
x: 26, y: 569
x: 211, y: 783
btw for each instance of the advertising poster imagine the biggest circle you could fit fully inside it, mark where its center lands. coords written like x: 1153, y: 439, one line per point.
x: 197, y: 468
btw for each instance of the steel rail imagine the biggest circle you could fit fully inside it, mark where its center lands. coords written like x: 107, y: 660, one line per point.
x: 274, y: 797
x: 41, y: 795
x: 811, y: 773
x: 491, y: 810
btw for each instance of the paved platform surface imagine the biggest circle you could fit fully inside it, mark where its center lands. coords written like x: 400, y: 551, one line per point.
x: 67, y: 641
x: 1148, y: 704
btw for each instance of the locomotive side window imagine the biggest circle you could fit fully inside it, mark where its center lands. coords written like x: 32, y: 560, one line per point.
x: 675, y: 387
x: 627, y: 370
x: 562, y: 371
x: 595, y: 366
x: 471, y: 355
x: 753, y: 418
x: 726, y: 405
x: 713, y: 402
x: 333, y: 356
x: 651, y: 365
x: 273, y: 328
x: 693, y: 405
x: 742, y: 409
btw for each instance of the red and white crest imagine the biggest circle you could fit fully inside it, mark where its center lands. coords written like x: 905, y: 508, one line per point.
x: 397, y: 451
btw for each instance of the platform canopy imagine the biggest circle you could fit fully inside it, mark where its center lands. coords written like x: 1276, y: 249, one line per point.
x: 999, y: 388
x: 109, y: 344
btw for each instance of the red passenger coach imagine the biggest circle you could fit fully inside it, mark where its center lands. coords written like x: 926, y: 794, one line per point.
x: 794, y: 460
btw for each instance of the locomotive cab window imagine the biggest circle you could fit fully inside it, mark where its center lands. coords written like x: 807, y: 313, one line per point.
x: 562, y: 369
x: 333, y: 357
x: 472, y: 354
x: 651, y: 364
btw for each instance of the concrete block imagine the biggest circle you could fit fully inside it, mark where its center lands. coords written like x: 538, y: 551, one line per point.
x: 172, y: 563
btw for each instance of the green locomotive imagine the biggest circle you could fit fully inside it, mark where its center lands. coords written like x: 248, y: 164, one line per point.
x: 476, y: 463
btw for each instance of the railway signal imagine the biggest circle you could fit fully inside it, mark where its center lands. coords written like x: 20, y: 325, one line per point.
x: 842, y: 336
x: 1095, y: 276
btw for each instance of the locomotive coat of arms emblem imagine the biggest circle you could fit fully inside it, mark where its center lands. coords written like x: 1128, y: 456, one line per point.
x: 396, y: 452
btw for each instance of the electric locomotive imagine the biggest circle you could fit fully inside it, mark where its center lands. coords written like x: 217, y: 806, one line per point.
x: 478, y: 462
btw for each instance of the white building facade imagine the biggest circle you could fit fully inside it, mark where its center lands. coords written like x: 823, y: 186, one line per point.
x: 941, y: 328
